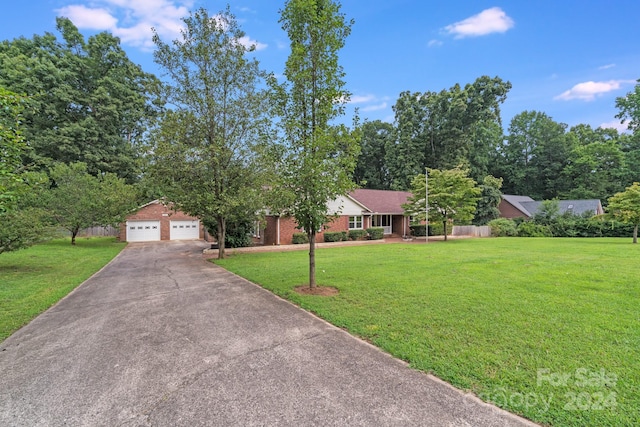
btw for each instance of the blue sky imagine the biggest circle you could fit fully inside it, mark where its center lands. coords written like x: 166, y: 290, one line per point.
x: 567, y: 58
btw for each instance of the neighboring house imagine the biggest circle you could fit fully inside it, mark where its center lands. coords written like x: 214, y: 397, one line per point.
x: 359, y: 210
x: 159, y: 221
x: 523, y: 206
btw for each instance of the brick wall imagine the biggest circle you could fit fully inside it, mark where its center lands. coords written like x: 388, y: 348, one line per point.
x: 507, y: 210
x: 157, y: 211
x: 288, y: 227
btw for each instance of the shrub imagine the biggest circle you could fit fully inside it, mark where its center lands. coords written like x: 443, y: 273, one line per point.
x: 300, y: 238
x: 357, y: 234
x: 375, y: 233
x: 418, y: 230
x: 333, y: 236
x: 345, y: 236
x: 531, y: 229
x: 503, y: 227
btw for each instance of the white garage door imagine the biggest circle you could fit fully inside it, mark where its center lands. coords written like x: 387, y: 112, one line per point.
x: 184, y: 230
x: 143, y: 231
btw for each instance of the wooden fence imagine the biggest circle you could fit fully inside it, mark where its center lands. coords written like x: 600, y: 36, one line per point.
x: 471, y: 230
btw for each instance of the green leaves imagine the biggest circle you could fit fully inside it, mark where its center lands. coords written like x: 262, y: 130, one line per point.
x: 208, y: 151
x: 88, y: 101
x: 79, y: 200
x: 452, y: 197
x: 625, y: 207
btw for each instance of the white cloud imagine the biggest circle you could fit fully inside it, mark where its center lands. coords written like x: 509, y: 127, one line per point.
x: 588, y: 91
x: 83, y: 17
x: 132, y: 20
x: 434, y: 43
x: 615, y: 124
x: 493, y: 20
x: 359, y: 99
x: 606, y: 67
x: 247, y: 42
x: 376, y: 107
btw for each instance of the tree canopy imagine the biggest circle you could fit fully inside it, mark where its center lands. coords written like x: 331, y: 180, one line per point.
x: 78, y: 200
x: 12, y: 146
x: 452, y: 197
x: 625, y: 207
x: 88, y: 102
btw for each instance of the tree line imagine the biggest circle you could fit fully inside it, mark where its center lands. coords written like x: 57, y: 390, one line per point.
x: 536, y: 157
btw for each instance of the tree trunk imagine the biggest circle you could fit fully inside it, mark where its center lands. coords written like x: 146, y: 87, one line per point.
x: 635, y: 234
x: 222, y: 231
x: 312, y: 259
x: 444, y: 227
x: 74, y: 233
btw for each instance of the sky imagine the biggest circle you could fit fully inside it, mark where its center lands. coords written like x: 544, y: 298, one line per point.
x: 570, y: 59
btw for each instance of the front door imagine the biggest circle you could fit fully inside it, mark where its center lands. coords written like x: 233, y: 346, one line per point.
x: 383, y: 221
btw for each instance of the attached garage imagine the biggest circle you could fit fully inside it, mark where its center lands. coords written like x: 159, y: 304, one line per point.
x: 143, y: 231
x: 158, y: 220
x: 184, y: 230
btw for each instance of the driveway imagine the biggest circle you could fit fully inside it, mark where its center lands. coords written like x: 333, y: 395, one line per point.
x: 162, y: 337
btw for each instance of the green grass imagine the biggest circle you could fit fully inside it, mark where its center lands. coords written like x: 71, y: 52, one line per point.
x: 33, y: 279
x: 503, y: 318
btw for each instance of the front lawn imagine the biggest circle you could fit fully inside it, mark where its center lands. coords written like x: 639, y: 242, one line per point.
x: 33, y: 279
x: 546, y: 328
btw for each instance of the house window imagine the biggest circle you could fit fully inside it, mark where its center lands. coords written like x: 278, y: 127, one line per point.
x: 355, y: 222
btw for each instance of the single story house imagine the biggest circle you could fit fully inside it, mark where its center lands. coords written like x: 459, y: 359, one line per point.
x: 158, y: 220
x: 359, y: 210
x: 524, y: 206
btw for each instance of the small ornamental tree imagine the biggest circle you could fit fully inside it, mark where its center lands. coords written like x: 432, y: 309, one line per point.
x: 321, y: 156
x: 452, y: 197
x: 625, y: 207
x: 79, y: 200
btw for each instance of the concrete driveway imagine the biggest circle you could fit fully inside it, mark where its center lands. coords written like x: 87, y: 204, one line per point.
x: 162, y: 337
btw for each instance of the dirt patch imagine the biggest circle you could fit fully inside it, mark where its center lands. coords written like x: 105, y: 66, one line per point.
x: 325, y: 291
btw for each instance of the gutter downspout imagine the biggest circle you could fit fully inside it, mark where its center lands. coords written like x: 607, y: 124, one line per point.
x: 278, y: 230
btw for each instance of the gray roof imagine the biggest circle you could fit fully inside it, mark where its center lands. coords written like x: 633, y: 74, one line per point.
x: 517, y: 201
x: 577, y: 207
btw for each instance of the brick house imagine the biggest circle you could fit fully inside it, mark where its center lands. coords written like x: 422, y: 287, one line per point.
x: 160, y: 221
x: 359, y: 210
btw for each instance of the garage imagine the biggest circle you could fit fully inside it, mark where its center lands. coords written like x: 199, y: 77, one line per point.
x: 159, y: 220
x: 184, y: 230
x: 143, y: 231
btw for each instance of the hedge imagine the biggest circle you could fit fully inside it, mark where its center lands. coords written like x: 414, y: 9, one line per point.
x: 300, y: 238
x: 333, y: 236
x: 375, y: 233
x: 357, y: 234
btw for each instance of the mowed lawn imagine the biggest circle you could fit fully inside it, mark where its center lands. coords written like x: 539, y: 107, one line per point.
x: 33, y: 279
x: 546, y: 328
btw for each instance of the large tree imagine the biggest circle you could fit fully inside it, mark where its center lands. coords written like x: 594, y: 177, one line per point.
x: 321, y: 156
x: 371, y: 170
x: 490, y: 197
x: 452, y: 197
x: 208, y: 147
x: 595, y: 167
x: 79, y: 200
x: 535, y: 154
x: 12, y: 146
x: 88, y: 101
x: 629, y: 106
x: 625, y: 207
x: 445, y: 129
